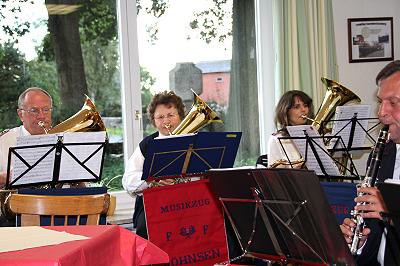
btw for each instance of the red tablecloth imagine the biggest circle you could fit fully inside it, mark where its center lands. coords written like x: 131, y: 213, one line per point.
x: 108, y: 245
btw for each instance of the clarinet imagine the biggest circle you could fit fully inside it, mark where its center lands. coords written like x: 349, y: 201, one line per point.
x: 369, y: 181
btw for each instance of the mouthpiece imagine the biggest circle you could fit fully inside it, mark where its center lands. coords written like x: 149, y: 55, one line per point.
x: 310, y: 119
x: 41, y: 124
x: 168, y: 126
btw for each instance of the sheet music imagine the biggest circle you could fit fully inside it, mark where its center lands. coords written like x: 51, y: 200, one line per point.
x: 392, y: 181
x: 346, y: 113
x: 42, y: 172
x: 70, y: 169
x: 311, y: 161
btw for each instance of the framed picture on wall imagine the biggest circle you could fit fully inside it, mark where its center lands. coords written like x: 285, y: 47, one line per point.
x: 370, y: 39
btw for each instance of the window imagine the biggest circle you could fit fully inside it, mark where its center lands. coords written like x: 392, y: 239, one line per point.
x: 106, y: 69
x: 187, y: 38
x: 82, y: 58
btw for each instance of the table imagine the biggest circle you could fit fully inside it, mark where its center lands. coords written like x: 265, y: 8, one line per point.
x: 108, y: 245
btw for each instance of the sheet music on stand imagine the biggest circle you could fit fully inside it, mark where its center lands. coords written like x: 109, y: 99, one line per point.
x: 353, y: 133
x: 312, y: 148
x: 61, y: 157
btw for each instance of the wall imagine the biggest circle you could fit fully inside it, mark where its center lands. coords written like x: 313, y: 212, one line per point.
x: 214, y: 90
x: 360, y: 77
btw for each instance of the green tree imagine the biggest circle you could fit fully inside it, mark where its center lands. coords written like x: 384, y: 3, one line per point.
x: 102, y: 75
x: 146, y: 83
x: 13, y: 80
x: 211, y: 23
x: 43, y: 74
x: 96, y: 20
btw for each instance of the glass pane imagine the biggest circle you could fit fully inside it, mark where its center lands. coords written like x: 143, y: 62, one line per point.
x: 209, y: 47
x: 68, y: 50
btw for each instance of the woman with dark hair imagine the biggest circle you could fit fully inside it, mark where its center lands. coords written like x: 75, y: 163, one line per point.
x: 292, y: 110
x: 166, y: 110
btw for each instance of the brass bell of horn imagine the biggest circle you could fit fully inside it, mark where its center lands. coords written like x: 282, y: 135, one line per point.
x: 198, y: 117
x: 336, y: 95
x: 85, y: 120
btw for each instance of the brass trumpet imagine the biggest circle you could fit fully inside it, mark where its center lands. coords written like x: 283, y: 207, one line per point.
x: 198, y: 117
x: 336, y: 95
x: 282, y: 163
x: 85, y: 120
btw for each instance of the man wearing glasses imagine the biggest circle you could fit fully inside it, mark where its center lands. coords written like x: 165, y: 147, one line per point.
x: 34, y: 110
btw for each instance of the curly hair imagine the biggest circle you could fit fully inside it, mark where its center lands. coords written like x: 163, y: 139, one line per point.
x: 286, y: 102
x: 168, y: 98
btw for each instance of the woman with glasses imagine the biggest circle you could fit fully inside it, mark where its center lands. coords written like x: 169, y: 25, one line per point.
x: 291, y: 110
x: 166, y: 110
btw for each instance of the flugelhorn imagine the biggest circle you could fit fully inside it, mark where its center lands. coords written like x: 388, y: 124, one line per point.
x: 336, y: 95
x: 198, y: 117
x: 85, y: 120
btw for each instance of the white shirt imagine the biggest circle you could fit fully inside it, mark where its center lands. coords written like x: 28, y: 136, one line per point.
x: 132, y: 179
x: 8, y: 140
x: 276, y: 152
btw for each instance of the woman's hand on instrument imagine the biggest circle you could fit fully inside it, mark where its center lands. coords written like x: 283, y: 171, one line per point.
x: 166, y: 182
x: 347, y: 228
x: 374, y: 203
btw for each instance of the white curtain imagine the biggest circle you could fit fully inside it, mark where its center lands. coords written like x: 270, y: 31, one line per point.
x: 305, y: 46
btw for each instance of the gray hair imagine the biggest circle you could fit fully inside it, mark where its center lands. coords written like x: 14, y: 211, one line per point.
x: 21, y: 98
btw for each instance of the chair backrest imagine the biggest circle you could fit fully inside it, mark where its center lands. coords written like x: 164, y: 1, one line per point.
x: 31, y: 207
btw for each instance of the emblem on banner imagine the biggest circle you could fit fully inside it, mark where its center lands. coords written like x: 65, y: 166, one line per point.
x: 187, y: 232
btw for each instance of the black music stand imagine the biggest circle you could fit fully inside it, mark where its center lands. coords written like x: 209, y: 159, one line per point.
x: 191, y: 154
x: 349, y: 134
x: 351, y: 124
x: 58, y: 158
x: 281, y: 214
x: 311, y: 146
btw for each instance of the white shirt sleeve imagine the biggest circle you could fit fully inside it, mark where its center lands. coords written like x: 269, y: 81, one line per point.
x: 277, y: 152
x: 273, y: 150
x: 132, y: 179
x: 8, y: 140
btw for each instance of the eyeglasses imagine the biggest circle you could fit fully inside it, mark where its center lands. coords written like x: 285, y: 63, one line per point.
x: 36, y: 111
x: 168, y: 116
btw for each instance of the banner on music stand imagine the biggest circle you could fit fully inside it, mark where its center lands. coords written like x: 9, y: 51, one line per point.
x: 186, y: 221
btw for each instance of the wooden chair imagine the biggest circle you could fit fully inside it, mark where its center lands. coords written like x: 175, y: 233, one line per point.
x: 31, y: 207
